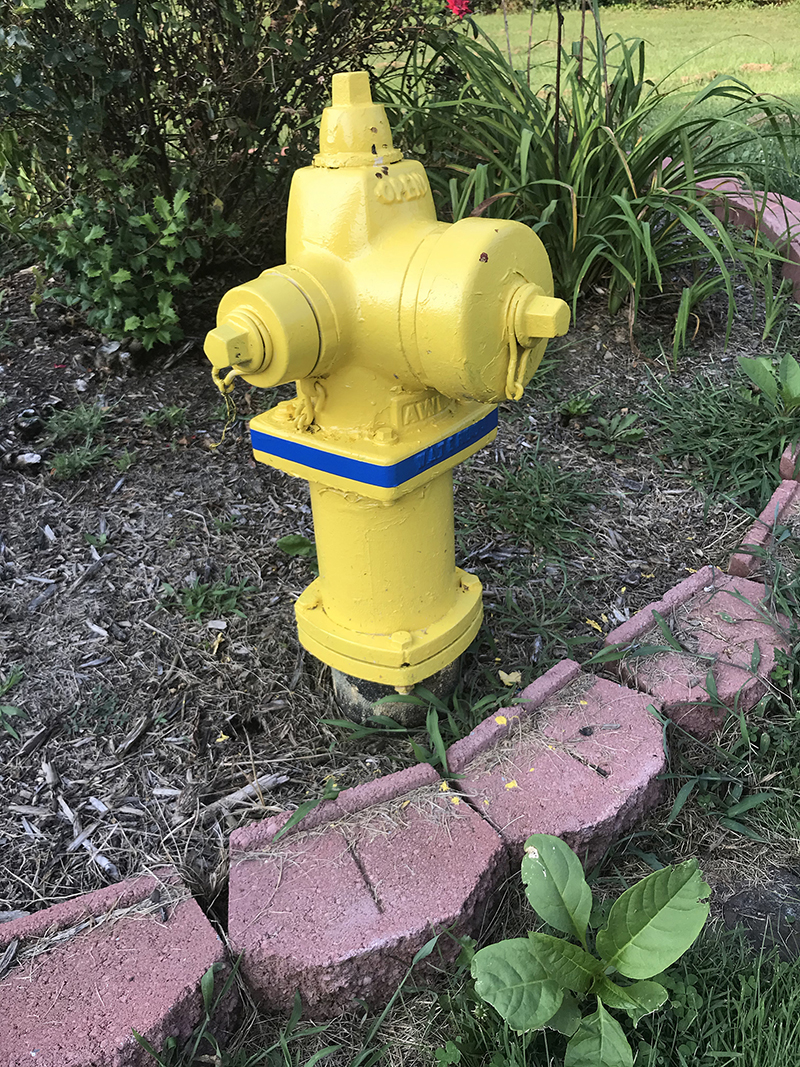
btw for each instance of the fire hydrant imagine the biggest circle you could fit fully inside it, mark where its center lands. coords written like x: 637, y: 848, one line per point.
x: 402, y: 334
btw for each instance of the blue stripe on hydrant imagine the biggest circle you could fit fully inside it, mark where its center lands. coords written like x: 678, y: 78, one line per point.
x: 386, y: 476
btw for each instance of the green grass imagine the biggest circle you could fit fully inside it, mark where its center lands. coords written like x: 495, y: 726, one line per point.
x: 538, y: 502
x: 209, y: 599
x: 725, y: 438
x: 684, y: 47
x: 85, y: 419
x: 729, y: 1008
x: 77, y: 460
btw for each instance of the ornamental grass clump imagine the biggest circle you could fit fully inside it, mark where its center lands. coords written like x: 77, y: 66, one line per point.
x: 600, y: 162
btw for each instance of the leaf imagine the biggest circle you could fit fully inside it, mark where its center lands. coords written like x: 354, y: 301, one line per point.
x: 510, y: 977
x: 639, y: 999
x: 568, y: 1017
x: 681, y: 798
x: 760, y: 372
x: 655, y: 921
x: 296, y: 545
x: 555, y: 885
x: 514, y: 678
x: 749, y: 802
x: 789, y: 375
x: 162, y: 207
x: 669, y: 636
x: 755, y: 658
x: 598, y: 1042
x: 568, y: 964
x: 207, y: 988
x: 740, y: 828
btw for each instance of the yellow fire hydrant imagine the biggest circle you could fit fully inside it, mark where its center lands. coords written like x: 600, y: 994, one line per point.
x: 402, y: 334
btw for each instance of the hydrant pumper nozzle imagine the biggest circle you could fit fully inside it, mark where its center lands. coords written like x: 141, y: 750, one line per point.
x: 403, y: 334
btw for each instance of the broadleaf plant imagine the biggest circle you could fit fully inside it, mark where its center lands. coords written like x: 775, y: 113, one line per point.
x: 780, y: 386
x: 540, y: 980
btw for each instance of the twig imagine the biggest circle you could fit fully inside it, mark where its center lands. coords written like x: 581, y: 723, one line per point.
x: 266, y: 781
x: 92, y: 570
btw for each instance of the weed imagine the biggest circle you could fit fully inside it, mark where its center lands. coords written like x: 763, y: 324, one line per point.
x: 98, y: 540
x: 10, y: 711
x: 199, y: 599
x: 533, y: 982
x: 124, y: 461
x: 85, y: 419
x: 13, y: 677
x: 720, y: 795
x: 780, y: 387
x: 728, y: 440
x: 173, y: 416
x: 78, y: 460
x: 444, y: 725
x: 726, y: 1007
x: 7, y: 712
x: 575, y: 406
x: 540, y: 502
x: 609, y: 434
x: 224, y: 526
x: 297, y: 545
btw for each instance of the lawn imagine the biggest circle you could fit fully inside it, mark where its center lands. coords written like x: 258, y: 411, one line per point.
x: 684, y: 48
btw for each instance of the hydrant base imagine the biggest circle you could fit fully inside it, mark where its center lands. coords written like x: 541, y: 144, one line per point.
x: 357, y: 698
x: 399, y: 659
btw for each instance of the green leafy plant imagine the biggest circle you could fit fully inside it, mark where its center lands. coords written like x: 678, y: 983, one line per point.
x: 124, y: 461
x: 540, y: 980
x: 297, y: 545
x: 609, y: 434
x: 77, y: 460
x: 10, y: 711
x: 174, y: 416
x: 124, y: 254
x: 84, y: 419
x: 201, y: 599
x: 780, y: 386
x: 98, y: 540
x: 575, y: 406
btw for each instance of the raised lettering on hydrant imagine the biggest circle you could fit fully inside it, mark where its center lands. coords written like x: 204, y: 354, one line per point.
x: 402, y: 334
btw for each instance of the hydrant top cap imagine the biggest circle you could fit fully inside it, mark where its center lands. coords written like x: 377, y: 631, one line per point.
x: 354, y: 132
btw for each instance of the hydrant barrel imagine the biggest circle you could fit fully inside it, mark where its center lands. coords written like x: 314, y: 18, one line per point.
x: 403, y: 334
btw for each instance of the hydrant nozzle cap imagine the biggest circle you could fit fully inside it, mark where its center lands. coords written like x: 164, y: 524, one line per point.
x: 354, y: 132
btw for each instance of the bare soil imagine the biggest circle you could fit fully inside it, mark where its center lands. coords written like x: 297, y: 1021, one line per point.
x: 138, y: 719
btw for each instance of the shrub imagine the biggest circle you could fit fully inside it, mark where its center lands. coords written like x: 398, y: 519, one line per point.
x: 217, y: 101
x: 121, y: 262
